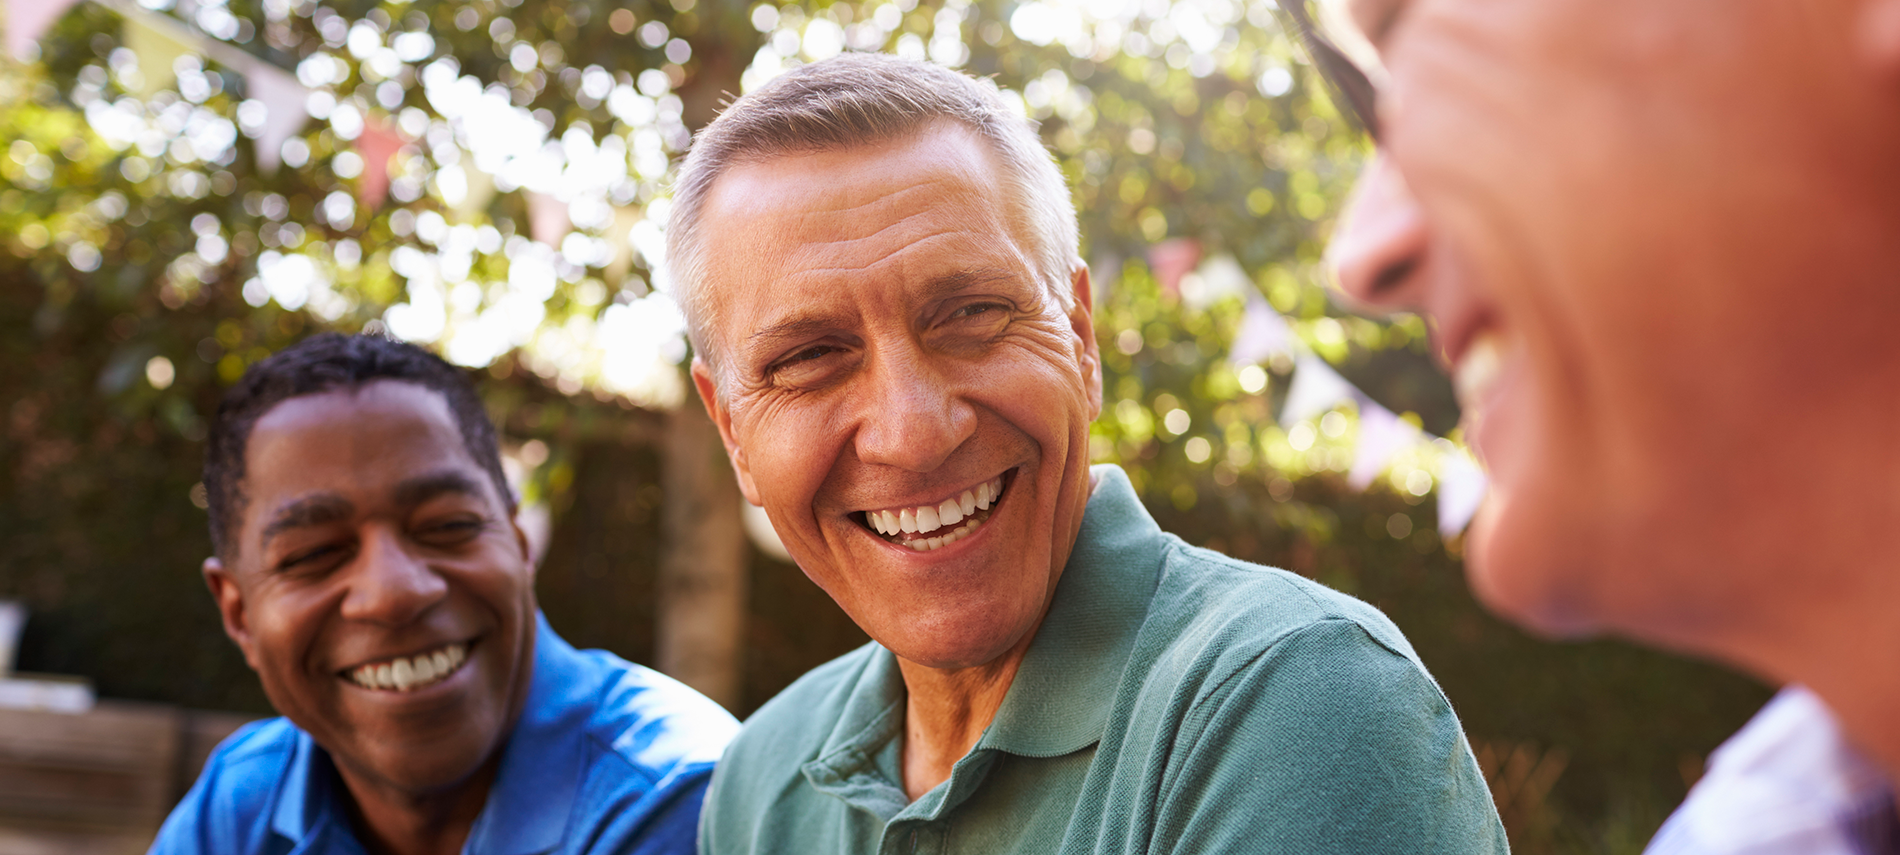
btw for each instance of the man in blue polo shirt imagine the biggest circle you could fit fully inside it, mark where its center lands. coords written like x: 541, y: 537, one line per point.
x: 370, y: 568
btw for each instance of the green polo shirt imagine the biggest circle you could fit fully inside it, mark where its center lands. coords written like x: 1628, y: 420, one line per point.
x: 1174, y: 700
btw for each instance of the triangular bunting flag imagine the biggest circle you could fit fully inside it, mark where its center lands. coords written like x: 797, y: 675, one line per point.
x: 548, y: 220
x: 1262, y: 335
x: 27, y: 20
x: 283, y: 99
x: 377, y: 144
x: 1461, y: 489
x: 1316, y: 389
x: 1172, y: 259
x: 1382, y: 435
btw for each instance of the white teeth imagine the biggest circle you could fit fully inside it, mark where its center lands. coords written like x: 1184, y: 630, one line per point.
x: 1478, y: 369
x: 927, y: 544
x: 407, y: 673
x: 929, y: 519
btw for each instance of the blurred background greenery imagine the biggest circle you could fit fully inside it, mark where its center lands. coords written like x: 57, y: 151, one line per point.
x: 486, y: 177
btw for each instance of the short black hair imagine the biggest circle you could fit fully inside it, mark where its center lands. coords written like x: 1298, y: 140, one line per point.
x: 324, y: 363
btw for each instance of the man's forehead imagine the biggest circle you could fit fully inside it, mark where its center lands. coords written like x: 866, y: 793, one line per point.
x: 357, y: 440
x: 811, y: 236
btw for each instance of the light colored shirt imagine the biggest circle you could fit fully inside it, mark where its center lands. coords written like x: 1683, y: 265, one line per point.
x: 1788, y: 783
x: 1174, y: 700
x: 607, y: 757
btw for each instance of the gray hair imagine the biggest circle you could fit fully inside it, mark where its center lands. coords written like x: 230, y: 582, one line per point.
x: 858, y: 99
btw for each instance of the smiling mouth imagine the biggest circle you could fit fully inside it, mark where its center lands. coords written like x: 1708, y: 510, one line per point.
x: 927, y: 527
x: 409, y: 673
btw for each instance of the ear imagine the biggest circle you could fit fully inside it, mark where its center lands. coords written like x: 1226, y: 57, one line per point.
x: 722, y: 418
x: 1878, y: 32
x: 521, y: 542
x: 230, y: 600
x: 1082, y: 320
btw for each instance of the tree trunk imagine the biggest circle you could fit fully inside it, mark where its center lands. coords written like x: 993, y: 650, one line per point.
x: 703, y: 569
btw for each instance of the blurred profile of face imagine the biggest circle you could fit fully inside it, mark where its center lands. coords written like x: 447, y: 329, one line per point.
x: 380, y: 589
x: 905, y: 400
x: 1655, y: 240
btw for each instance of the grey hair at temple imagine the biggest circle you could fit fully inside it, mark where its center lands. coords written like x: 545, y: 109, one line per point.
x: 860, y: 99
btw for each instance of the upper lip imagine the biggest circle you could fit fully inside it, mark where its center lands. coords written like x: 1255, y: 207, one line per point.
x: 933, y: 499
x: 1455, y: 334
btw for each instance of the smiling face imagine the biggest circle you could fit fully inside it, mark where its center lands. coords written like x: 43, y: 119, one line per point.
x: 379, y: 588
x: 905, y: 400
x: 1653, y: 237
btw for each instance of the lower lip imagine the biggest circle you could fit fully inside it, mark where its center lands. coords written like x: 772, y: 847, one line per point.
x: 1009, y: 481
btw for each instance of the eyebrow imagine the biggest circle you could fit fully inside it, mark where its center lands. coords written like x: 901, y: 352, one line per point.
x: 325, y: 508
x: 806, y: 326
x: 422, y: 488
x: 308, y: 511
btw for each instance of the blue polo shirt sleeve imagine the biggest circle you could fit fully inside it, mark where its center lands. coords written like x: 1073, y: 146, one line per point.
x: 1328, y: 742
x: 227, y: 809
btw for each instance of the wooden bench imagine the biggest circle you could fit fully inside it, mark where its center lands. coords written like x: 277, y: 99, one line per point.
x: 100, y: 781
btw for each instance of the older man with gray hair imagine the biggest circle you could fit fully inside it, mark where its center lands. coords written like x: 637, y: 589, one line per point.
x: 878, y: 264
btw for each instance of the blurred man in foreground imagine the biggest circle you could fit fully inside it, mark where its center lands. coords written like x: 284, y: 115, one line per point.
x: 878, y: 264
x: 1660, y: 241
x: 370, y: 568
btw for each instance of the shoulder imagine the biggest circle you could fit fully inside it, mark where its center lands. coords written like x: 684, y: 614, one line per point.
x: 1302, y: 703
x: 649, y: 721
x: 797, y: 721
x: 770, y: 752
x: 1260, y: 650
x: 227, y: 808
x: 1243, y: 609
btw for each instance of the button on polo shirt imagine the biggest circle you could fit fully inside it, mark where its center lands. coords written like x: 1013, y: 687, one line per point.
x: 1173, y: 700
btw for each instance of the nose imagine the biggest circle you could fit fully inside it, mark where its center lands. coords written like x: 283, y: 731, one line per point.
x: 913, y: 417
x: 1381, y: 240
x: 390, y: 586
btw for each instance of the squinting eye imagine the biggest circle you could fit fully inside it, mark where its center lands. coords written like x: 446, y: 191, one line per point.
x: 975, y: 309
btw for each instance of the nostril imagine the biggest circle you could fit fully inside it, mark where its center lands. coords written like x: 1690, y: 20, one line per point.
x: 1390, y: 277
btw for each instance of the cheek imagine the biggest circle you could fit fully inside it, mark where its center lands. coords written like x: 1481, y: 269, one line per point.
x: 788, y: 450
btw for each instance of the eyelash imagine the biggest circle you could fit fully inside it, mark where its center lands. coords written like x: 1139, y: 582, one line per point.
x: 457, y: 526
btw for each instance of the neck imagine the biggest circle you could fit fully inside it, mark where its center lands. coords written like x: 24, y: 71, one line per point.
x: 946, y: 712
x: 1850, y: 665
x: 393, y: 821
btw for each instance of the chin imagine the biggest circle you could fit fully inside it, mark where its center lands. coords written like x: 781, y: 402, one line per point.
x: 957, y: 648
x: 1525, y: 578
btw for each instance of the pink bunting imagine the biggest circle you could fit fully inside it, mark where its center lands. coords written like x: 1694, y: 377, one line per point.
x: 1172, y: 259
x: 548, y: 220
x: 27, y: 20
x: 378, y: 143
